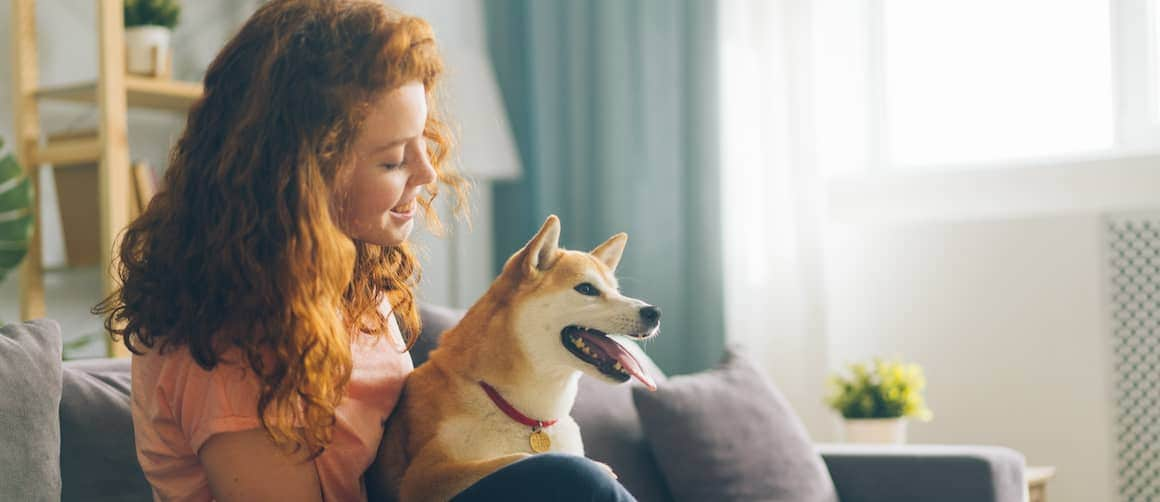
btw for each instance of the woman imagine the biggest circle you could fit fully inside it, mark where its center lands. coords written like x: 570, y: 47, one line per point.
x: 268, y: 286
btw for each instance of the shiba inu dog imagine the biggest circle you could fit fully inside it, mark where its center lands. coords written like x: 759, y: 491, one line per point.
x: 502, y: 383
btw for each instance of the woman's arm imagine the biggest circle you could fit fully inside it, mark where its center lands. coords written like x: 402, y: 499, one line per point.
x: 247, y: 465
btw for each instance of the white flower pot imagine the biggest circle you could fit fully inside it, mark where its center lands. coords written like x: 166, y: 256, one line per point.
x: 875, y: 430
x: 147, y: 50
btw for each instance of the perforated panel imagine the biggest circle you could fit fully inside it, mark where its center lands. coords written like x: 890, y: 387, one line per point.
x: 1134, y: 288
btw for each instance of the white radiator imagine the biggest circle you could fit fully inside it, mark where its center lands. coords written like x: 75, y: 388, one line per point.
x: 1133, y: 265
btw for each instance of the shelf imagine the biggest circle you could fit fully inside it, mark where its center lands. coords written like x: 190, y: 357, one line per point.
x: 112, y: 93
x: 68, y: 152
x: 173, y: 95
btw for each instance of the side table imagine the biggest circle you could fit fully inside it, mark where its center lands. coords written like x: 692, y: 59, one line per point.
x: 1037, y: 478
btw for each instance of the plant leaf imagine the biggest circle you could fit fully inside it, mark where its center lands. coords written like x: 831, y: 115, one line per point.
x: 16, y: 201
x: 16, y: 196
x: 152, y: 13
x: 10, y: 168
x: 9, y: 260
x: 12, y: 224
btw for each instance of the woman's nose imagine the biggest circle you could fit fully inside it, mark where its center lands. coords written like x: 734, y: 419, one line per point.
x: 423, y: 173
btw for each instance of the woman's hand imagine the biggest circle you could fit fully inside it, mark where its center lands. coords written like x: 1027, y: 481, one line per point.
x: 607, y: 468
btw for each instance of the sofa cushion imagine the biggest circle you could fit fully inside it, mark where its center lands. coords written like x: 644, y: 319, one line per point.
x: 30, y: 373
x: 436, y: 319
x: 728, y: 434
x: 98, y: 459
x: 921, y: 472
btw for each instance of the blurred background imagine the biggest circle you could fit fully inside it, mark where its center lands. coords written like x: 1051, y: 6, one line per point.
x: 973, y: 186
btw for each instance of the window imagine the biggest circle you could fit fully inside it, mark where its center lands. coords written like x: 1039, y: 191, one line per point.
x: 987, y: 80
x: 925, y: 84
x: 1155, y: 64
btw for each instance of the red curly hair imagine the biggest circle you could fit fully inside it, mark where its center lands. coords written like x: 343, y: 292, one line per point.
x: 239, y: 250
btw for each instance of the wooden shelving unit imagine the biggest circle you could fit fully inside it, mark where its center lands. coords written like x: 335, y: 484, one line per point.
x: 140, y: 93
x: 113, y: 92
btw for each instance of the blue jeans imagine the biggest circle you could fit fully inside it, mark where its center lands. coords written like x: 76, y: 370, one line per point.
x: 548, y: 476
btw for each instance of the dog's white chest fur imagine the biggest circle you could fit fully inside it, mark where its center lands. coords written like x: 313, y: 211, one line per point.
x: 473, y: 437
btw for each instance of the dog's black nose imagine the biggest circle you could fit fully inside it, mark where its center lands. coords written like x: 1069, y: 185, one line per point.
x: 650, y: 314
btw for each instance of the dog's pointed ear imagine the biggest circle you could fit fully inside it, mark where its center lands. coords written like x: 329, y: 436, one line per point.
x: 610, y: 251
x: 543, y: 250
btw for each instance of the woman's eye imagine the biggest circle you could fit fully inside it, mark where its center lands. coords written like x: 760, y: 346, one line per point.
x: 587, y: 289
x: 391, y: 166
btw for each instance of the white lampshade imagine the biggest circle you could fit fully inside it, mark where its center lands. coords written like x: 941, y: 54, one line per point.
x: 486, y: 148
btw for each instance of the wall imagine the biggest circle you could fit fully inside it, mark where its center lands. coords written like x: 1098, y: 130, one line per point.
x: 67, y: 44
x: 67, y: 41
x: 1006, y: 317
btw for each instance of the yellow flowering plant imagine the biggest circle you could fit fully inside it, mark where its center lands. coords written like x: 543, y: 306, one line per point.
x: 882, y: 389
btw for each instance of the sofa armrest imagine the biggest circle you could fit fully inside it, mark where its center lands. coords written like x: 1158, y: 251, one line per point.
x: 900, y: 473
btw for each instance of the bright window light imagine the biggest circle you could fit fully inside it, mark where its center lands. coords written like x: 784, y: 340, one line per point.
x: 1155, y: 8
x: 993, y: 80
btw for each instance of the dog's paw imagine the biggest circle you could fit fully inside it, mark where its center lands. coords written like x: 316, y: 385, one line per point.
x: 607, y: 469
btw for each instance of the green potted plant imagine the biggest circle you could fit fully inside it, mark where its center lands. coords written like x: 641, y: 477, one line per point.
x: 876, y: 399
x: 15, y: 213
x: 148, y: 29
x: 16, y: 203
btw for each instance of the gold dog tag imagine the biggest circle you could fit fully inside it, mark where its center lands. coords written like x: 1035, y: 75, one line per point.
x: 540, y: 441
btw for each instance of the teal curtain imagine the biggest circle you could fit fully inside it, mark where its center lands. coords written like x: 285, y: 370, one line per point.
x: 614, y: 107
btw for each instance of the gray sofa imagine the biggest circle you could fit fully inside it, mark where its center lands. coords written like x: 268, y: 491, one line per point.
x: 97, y: 461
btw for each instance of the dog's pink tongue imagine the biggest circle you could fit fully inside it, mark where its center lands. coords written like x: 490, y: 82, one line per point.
x: 626, y: 359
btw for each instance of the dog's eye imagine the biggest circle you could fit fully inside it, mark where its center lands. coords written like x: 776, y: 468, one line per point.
x: 587, y: 289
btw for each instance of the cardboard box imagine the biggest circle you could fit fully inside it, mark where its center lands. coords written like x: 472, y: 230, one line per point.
x: 78, y: 199
x: 80, y: 211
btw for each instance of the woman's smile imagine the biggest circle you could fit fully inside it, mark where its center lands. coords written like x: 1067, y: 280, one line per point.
x: 404, y: 212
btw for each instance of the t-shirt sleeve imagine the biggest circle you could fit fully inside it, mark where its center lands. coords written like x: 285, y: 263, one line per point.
x: 205, y: 403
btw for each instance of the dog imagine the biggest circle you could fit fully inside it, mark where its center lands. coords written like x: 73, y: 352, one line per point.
x: 501, y: 384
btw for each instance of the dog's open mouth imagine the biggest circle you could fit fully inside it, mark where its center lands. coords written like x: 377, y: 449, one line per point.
x: 605, y: 354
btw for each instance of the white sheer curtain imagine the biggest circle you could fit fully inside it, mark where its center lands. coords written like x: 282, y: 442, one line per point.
x: 773, y: 224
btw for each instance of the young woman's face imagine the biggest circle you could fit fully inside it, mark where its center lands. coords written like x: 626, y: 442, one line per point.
x: 390, y: 168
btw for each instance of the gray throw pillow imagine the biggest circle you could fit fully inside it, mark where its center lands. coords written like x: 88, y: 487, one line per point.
x: 728, y: 434
x: 30, y: 382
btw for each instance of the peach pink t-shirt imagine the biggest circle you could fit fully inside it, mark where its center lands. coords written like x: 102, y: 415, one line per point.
x: 177, y: 406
